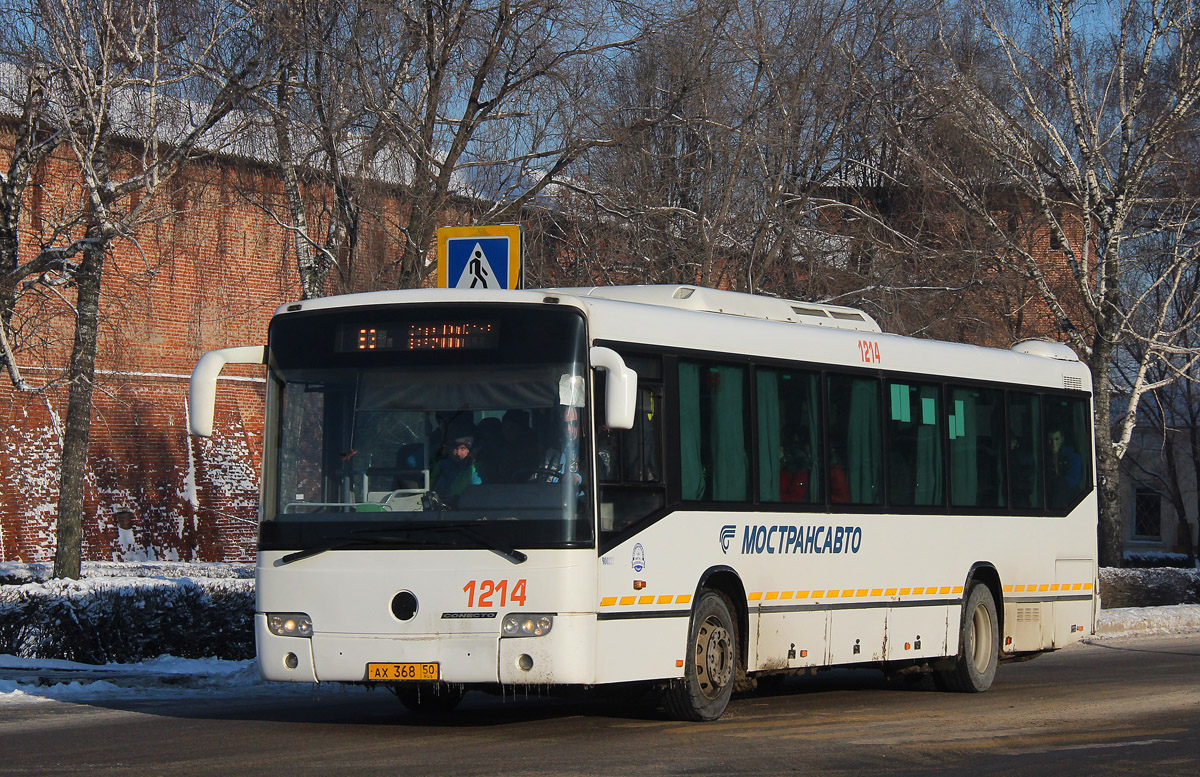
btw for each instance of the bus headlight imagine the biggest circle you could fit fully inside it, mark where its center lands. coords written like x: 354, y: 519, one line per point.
x: 289, y: 624
x: 526, y: 625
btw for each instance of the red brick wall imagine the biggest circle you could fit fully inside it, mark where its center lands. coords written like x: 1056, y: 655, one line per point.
x: 208, y: 277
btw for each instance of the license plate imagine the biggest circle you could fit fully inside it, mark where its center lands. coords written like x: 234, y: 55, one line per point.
x: 394, y: 672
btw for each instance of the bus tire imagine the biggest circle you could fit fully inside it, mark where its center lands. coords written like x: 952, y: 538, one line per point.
x: 429, y: 698
x: 710, y: 667
x: 978, y: 645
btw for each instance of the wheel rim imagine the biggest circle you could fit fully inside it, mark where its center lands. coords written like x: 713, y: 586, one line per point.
x: 981, y: 627
x: 714, y: 657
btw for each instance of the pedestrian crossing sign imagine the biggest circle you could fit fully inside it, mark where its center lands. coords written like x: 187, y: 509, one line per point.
x: 486, y: 257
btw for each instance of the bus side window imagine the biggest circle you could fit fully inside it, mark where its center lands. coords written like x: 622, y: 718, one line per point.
x: 977, y: 440
x: 1024, y: 451
x: 631, y: 455
x: 914, y: 445
x: 1068, y: 452
x: 713, y: 436
x: 855, y: 439
x: 629, y: 461
x: 789, y: 437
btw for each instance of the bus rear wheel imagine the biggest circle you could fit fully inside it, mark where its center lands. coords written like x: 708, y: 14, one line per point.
x: 710, y: 668
x: 429, y: 698
x: 978, y: 645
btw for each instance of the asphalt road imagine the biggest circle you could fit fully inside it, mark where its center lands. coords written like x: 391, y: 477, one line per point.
x: 1129, y: 707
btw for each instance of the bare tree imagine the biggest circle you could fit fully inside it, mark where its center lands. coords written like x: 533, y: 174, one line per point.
x: 324, y: 140
x: 468, y: 107
x: 1165, y: 453
x: 770, y: 173
x: 128, y: 93
x: 1080, y: 111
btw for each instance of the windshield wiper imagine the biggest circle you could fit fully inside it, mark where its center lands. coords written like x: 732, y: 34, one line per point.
x: 391, y: 536
x: 345, y: 541
x: 504, y: 549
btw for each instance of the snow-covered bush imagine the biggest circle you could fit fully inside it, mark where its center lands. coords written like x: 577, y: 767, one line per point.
x: 113, y: 619
x: 1148, y: 587
x: 1155, y: 560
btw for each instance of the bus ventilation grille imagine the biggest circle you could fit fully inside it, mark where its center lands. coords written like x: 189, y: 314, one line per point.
x: 1027, y: 615
x: 1073, y: 383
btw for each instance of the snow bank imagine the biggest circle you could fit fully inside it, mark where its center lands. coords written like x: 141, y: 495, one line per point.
x: 1130, y: 621
x: 168, y: 678
x: 165, y: 677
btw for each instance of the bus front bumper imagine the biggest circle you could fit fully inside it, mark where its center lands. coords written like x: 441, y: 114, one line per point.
x: 565, y: 656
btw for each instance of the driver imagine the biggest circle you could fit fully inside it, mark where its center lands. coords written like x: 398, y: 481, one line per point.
x: 564, y: 463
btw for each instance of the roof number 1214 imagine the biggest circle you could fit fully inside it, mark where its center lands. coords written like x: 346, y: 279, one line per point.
x: 869, y: 350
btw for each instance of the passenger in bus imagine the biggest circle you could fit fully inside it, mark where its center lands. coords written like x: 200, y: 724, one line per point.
x: 520, y: 448
x: 1066, y: 470
x: 795, y: 472
x: 795, y: 463
x: 490, y: 451
x: 455, y: 473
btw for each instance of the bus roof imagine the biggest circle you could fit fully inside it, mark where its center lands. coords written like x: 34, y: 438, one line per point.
x: 728, y: 323
x: 735, y: 304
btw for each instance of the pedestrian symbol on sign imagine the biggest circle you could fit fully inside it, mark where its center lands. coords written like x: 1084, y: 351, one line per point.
x: 478, y: 270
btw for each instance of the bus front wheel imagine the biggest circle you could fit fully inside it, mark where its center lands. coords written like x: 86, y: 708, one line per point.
x: 710, y: 667
x: 978, y: 645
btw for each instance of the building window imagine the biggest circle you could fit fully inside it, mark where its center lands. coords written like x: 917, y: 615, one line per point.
x: 1147, y: 514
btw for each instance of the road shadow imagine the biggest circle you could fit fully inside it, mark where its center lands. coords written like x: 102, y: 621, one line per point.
x: 348, y: 706
x: 1121, y: 646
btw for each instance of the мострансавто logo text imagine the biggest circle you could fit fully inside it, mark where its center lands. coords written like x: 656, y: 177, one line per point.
x: 794, y: 539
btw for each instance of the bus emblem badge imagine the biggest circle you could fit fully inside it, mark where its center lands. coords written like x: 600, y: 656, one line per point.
x: 727, y: 533
x: 639, y: 558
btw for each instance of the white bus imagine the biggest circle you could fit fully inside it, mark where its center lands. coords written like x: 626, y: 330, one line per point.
x: 657, y: 484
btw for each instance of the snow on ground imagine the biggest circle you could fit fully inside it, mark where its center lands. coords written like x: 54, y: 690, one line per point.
x: 1144, y: 621
x: 24, y: 680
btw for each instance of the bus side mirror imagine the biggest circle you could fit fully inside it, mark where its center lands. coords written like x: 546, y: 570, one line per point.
x: 620, y: 388
x: 202, y: 388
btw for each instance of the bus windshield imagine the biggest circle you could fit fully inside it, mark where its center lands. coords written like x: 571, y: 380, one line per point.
x: 413, y: 427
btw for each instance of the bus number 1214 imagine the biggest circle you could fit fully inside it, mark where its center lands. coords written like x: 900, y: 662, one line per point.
x: 494, y: 593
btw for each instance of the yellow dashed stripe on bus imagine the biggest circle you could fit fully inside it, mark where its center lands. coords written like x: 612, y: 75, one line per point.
x: 624, y: 601
x: 844, y: 593
x: 1039, y: 587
